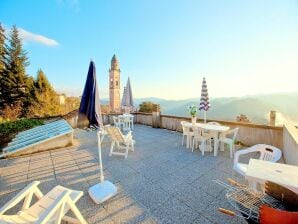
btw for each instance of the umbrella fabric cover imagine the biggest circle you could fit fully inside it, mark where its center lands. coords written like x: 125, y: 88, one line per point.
x: 89, y: 112
x: 127, y: 100
x: 128, y: 95
x: 204, y: 102
x: 123, y: 97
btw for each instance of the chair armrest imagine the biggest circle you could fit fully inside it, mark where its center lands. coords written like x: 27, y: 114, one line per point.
x: 223, y: 134
x: 19, y: 197
x: 244, y: 151
x: 128, y: 134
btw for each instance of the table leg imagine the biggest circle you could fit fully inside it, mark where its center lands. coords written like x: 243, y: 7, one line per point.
x: 253, y: 185
x: 189, y: 141
x: 215, y: 146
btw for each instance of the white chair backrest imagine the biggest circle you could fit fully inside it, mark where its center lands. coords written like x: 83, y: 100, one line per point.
x: 185, y: 129
x: 116, y: 120
x: 269, y: 153
x: 198, y: 132
x: 115, y: 134
x: 233, y: 133
x: 126, y: 119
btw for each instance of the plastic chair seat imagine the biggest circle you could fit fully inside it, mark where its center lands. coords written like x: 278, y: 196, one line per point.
x: 241, y: 168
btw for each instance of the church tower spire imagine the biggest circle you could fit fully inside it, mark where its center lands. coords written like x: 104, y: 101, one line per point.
x: 114, y: 85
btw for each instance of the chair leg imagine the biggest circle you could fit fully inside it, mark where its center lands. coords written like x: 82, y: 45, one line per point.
x: 77, y: 213
x: 126, y: 153
x: 193, y: 144
x: 222, y: 146
x: 182, y: 140
x: 215, y: 146
x: 203, y: 147
x: 188, y: 141
x: 231, y: 151
x: 112, y: 148
x: 191, y: 140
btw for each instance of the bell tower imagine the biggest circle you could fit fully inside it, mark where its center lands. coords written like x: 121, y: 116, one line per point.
x: 114, y: 85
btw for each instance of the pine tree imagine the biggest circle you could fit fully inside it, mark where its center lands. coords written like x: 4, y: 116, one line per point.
x: 3, y: 53
x: 2, y: 49
x: 45, y: 102
x: 15, y: 81
x: 42, y: 84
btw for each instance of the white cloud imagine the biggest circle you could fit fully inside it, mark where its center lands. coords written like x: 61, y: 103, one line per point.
x: 33, y: 37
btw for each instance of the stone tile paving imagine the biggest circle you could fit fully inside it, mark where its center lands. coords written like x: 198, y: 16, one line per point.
x: 161, y: 182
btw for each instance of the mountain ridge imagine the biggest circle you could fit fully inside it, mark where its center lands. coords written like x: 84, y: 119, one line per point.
x: 255, y: 107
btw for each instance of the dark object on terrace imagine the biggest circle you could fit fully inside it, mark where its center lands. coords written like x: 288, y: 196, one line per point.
x: 256, y: 207
x: 89, y: 112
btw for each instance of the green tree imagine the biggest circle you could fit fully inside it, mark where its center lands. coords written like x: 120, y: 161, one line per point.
x: 3, y: 53
x: 146, y: 107
x: 15, y: 81
x: 45, y: 98
x: 2, y: 49
x: 42, y: 84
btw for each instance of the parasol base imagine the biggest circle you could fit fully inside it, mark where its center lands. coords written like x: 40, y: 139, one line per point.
x: 102, y: 191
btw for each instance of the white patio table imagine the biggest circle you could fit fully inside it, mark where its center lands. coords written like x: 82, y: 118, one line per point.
x: 209, y: 127
x: 127, y: 120
x: 259, y: 171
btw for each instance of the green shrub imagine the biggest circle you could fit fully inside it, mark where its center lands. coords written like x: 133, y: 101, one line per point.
x: 9, y: 128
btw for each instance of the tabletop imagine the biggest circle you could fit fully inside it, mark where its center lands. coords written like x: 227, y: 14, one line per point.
x: 283, y: 174
x: 211, y: 127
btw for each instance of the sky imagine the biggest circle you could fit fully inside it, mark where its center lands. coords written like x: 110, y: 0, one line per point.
x: 165, y: 47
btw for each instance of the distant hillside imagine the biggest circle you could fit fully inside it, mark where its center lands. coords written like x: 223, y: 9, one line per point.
x: 256, y: 107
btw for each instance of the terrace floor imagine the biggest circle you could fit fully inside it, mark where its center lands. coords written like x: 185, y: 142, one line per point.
x: 160, y: 182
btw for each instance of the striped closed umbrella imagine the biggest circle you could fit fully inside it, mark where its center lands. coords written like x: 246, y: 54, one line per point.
x: 127, y: 97
x: 123, y: 98
x: 204, y: 102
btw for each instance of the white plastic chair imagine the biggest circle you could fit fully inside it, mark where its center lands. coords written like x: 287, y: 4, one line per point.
x: 118, y: 122
x: 49, y: 208
x: 267, y: 153
x: 128, y: 123
x: 199, y: 136
x: 131, y: 121
x: 122, y: 142
x: 186, y: 132
x: 213, y: 134
x: 223, y: 139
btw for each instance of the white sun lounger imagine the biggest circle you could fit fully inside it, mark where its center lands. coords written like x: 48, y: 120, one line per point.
x: 49, y: 208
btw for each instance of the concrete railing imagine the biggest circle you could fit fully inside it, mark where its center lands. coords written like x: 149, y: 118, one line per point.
x: 249, y: 134
x: 285, y: 138
x: 290, y: 144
